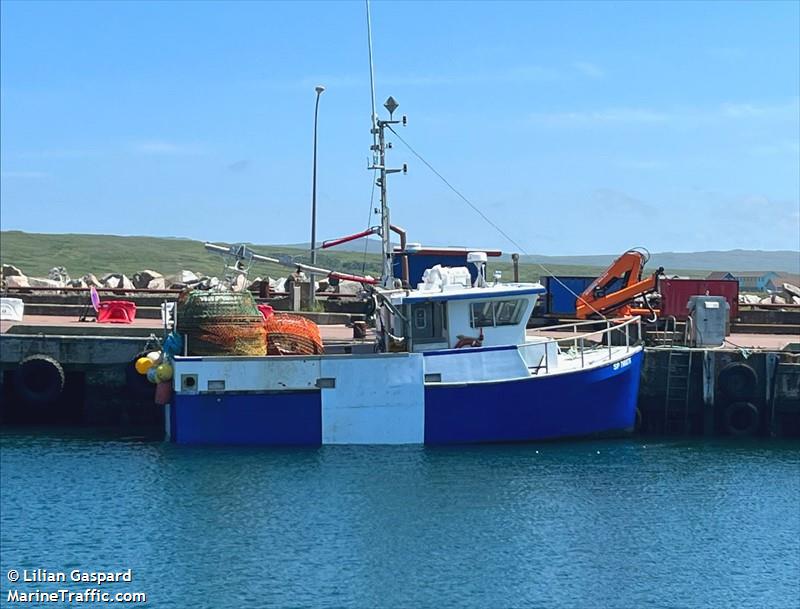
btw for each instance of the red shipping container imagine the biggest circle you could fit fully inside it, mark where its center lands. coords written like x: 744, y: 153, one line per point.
x: 675, y: 294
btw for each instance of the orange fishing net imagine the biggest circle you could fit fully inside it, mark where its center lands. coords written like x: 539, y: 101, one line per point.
x: 292, y: 335
x: 226, y: 339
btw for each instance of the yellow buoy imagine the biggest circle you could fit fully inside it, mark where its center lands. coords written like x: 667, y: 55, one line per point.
x: 163, y: 372
x: 143, y: 364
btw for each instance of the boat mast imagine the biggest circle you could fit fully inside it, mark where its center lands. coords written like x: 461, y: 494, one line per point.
x: 387, y: 276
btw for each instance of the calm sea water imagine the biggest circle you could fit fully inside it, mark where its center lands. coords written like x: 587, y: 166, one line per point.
x: 584, y: 524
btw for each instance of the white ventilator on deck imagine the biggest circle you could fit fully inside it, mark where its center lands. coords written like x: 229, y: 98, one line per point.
x: 11, y: 309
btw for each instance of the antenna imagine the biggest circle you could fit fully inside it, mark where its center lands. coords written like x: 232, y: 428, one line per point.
x: 372, y: 90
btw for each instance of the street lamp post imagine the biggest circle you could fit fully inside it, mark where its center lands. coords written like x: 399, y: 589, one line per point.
x: 312, y: 300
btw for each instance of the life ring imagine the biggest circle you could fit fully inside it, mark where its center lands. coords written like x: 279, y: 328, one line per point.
x: 39, y: 379
x: 138, y: 383
x: 738, y: 381
x: 742, y: 419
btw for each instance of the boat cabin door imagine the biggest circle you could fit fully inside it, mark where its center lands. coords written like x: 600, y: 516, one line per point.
x: 427, y: 325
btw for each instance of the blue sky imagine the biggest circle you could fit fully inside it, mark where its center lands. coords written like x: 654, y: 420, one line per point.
x: 577, y: 127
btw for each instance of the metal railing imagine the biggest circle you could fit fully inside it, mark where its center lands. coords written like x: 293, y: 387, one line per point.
x: 578, y: 340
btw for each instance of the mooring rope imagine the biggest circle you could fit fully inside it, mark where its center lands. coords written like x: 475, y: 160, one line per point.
x: 490, y: 222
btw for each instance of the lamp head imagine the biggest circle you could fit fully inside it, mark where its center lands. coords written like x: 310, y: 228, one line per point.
x: 319, y: 89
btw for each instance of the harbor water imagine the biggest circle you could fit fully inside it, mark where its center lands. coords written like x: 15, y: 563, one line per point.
x: 619, y: 523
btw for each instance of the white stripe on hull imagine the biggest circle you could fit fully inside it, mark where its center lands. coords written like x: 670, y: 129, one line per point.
x: 379, y: 400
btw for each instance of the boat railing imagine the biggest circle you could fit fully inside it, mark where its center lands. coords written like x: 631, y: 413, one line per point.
x: 577, y: 340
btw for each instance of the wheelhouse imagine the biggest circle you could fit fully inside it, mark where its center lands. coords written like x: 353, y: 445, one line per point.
x: 446, y: 312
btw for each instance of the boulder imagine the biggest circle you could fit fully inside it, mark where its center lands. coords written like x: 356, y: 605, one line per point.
x: 181, y: 280
x: 791, y: 290
x: 349, y: 287
x: 41, y: 282
x: 117, y: 281
x: 239, y: 284
x: 157, y: 283
x: 90, y: 280
x: 278, y: 285
x: 207, y: 283
x: 77, y: 283
x: 17, y: 281
x: 142, y: 279
x: 9, y: 270
x: 186, y: 277
x: 59, y: 273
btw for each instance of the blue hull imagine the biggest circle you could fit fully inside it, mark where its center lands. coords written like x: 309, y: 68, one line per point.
x: 561, y: 406
x: 580, y: 403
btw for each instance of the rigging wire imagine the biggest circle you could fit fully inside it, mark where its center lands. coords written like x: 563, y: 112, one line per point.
x: 369, y: 224
x: 489, y: 221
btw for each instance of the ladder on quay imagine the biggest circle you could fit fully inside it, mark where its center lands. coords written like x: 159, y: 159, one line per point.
x: 676, y: 396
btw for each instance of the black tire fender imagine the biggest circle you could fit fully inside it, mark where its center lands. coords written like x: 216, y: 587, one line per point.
x: 39, y: 379
x: 742, y: 419
x: 738, y: 381
x: 371, y: 305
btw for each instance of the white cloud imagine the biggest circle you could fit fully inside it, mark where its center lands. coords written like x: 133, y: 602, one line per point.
x: 755, y: 110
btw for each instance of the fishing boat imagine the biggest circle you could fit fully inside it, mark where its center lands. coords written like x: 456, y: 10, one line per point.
x: 452, y: 362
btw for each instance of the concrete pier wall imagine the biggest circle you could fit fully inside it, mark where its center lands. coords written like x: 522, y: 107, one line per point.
x: 100, y: 389
x: 714, y: 398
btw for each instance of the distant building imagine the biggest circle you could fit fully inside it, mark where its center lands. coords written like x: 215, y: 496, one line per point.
x: 776, y: 284
x: 720, y: 275
x: 749, y: 281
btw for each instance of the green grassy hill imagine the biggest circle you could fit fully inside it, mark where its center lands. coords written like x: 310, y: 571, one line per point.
x: 35, y: 254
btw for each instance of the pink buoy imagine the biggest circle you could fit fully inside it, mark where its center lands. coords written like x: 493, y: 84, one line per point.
x: 95, y: 298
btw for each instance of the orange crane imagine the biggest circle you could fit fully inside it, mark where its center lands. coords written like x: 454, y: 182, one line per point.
x: 618, y: 286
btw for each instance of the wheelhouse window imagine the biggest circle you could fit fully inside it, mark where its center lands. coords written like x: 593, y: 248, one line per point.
x: 497, y: 313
